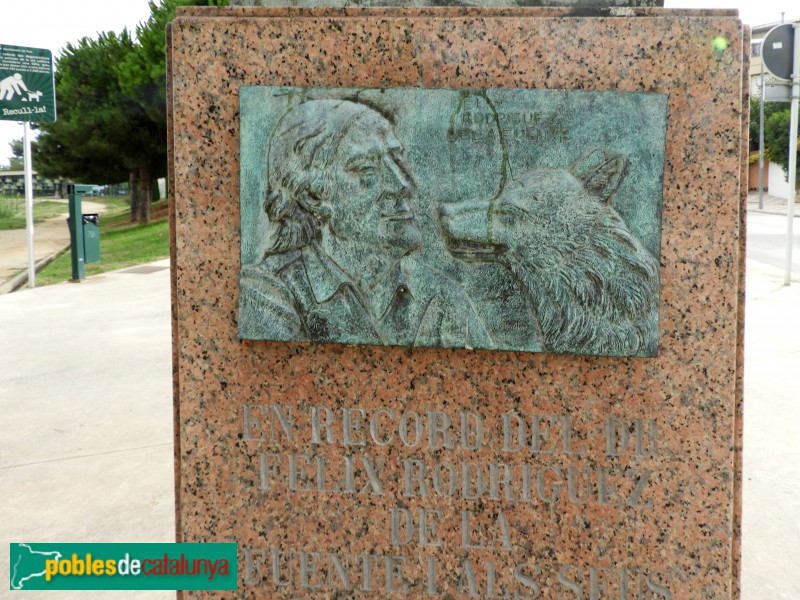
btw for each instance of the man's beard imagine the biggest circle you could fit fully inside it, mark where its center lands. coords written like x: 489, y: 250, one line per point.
x: 401, y: 237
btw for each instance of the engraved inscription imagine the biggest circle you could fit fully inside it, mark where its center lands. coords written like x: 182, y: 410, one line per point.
x: 544, y: 468
x: 498, y: 219
x: 525, y: 126
x: 364, y: 574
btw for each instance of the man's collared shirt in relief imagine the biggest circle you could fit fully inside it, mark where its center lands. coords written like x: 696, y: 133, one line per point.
x: 303, y: 295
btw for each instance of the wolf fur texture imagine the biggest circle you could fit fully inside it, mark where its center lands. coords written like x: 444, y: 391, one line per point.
x: 592, y: 285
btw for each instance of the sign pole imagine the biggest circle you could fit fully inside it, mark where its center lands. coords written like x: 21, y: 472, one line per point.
x: 761, y: 137
x: 29, y: 203
x: 792, y: 154
x: 27, y: 94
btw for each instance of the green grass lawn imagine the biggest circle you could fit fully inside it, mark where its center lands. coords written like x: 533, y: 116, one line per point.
x: 12, y: 212
x: 121, y: 245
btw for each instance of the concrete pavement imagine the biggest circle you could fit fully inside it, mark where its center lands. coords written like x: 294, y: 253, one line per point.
x: 771, y: 204
x: 51, y: 236
x: 86, y: 421
x: 86, y: 415
x: 771, y: 506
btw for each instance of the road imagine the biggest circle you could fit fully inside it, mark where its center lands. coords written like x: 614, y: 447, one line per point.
x: 766, y: 240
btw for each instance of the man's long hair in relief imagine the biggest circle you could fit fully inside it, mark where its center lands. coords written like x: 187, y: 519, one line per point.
x: 296, y: 170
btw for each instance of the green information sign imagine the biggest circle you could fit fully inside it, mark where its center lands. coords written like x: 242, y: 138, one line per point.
x: 27, y: 92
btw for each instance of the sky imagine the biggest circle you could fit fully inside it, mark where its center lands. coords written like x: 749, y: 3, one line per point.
x: 52, y: 23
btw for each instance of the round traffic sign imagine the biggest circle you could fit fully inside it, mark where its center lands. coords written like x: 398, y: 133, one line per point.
x: 777, y: 50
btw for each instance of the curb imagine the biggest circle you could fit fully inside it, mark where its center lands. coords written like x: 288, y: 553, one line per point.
x: 759, y: 269
x: 21, y: 279
x: 767, y: 211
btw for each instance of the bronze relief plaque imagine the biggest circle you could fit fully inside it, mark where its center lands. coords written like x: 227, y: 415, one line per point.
x: 524, y: 220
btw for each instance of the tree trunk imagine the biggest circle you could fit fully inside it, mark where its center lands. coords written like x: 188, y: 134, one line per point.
x: 133, y: 177
x: 145, y: 194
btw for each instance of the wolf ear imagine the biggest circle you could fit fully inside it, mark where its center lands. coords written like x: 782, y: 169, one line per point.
x: 601, y: 171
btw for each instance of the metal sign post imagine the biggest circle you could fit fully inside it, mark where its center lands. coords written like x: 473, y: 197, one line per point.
x: 761, y: 140
x: 781, y: 55
x: 27, y: 94
x: 29, y: 203
x: 787, y: 280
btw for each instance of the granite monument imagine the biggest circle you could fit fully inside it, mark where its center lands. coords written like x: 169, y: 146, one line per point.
x: 537, y: 394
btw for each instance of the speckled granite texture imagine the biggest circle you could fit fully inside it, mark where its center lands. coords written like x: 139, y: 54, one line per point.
x: 482, y: 3
x: 625, y: 483
x: 739, y: 391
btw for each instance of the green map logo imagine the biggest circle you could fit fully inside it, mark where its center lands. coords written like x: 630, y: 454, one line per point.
x: 28, y: 564
x: 84, y: 566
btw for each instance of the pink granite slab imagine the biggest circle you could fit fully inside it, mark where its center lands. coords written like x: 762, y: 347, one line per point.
x: 739, y: 392
x: 659, y: 519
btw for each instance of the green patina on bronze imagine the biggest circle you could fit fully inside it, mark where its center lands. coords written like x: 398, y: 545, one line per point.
x: 501, y: 219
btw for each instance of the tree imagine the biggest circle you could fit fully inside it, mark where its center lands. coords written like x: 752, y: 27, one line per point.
x: 112, y: 109
x: 776, y: 132
x: 16, y: 162
x: 101, y: 135
x: 776, y: 140
x: 770, y: 108
x: 142, y: 78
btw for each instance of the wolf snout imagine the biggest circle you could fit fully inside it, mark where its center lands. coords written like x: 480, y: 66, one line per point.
x: 464, y: 220
x: 465, y: 227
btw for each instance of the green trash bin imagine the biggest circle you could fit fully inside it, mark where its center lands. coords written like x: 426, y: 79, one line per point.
x: 91, y: 238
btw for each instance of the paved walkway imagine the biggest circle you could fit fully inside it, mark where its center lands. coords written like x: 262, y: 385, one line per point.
x: 86, y: 422
x: 771, y: 525
x: 771, y: 204
x: 49, y: 236
x: 86, y: 416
